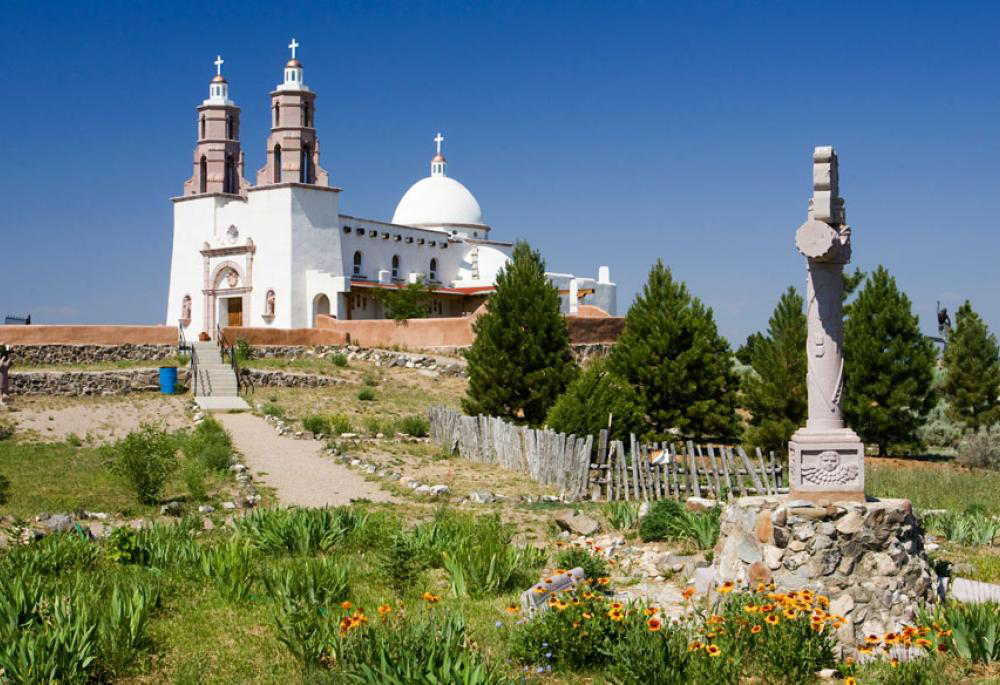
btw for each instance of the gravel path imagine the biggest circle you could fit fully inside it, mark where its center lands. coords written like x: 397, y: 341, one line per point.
x: 296, y: 469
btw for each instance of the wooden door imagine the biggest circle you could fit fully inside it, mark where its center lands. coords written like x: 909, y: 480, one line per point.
x: 235, y: 311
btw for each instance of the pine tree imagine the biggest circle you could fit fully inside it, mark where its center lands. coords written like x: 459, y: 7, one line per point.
x: 596, y: 396
x: 671, y: 352
x: 775, y: 390
x: 888, y: 366
x: 972, y: 363
x: 520, y: 361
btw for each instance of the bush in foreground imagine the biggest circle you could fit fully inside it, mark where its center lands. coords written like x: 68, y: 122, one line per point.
x: 145, y: 459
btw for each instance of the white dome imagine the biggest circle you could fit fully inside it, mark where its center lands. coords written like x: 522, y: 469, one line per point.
x: 438, y: 201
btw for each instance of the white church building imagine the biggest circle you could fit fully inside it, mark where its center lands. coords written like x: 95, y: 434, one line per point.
x: 279, y: 252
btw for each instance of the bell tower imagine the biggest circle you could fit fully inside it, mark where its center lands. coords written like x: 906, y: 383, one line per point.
x: 292, y: 147
x: 218, y: 159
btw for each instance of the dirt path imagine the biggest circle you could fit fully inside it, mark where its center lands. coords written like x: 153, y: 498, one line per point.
x: 296, y: 469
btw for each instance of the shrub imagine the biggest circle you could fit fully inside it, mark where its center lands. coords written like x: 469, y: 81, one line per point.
x: 414, y: 426
x: 641, y: 657
x: 970, y: 528
x: 339, y: 360
x: 231, y: 567
x: 370, y: 378
x: 589, y: 401
x: 183, y: 359
x: 272, y: 408
x: 295, y: 531
x: 403, y: 559
x: 484, y: 563
x: 366, y: 394
x: 940, y: 430
x: 4, y: 489
x: 317, y: 424
x: 244, y: 352
x: 593, y: 566
x: 374, y: 426
x: 661, y: 523
x: 340, y: 424
x: 7, y: 428
x: 210, y: 444
x: 193, y: 473
x: 981, y: 449
x: 145, y: 459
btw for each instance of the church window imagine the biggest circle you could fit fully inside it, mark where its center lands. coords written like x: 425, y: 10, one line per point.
x: 203, y: 175
x: 433, y: 274
x: 357, y: 263
x: 277, y: 164
x: 395, y: 266
x: 202, y: 129
x: 229, y: 127
x: 277, y: 114
x: 305, y: 168
x: 347, y: 230
x: 229, y: 180
x: 306, y: 115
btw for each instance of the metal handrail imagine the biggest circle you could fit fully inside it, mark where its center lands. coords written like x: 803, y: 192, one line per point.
x: 226, y: 347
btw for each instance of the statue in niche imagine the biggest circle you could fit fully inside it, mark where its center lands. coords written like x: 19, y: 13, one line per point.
x: 232, y: 278
x: 269, y: 304
x: 186, y: 308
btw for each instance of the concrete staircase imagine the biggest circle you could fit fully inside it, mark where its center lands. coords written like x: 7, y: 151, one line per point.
x: 216, y: 387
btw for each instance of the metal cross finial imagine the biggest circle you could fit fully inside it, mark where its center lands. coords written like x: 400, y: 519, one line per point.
x: 293, y: 45
x: 218, y: 64
x: 439, y: 139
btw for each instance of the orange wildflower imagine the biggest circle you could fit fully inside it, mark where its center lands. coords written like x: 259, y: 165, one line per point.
x: 654, y: 624
x: 713, y: 650
x: 726, y: 587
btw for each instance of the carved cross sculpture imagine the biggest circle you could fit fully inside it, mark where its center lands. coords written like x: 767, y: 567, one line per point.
x: 826, y: 457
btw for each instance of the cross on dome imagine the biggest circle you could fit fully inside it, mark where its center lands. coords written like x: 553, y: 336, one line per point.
x: 293, y: 45
x: 438, y: 162
x: 439, y: 139
x: 218, y: 65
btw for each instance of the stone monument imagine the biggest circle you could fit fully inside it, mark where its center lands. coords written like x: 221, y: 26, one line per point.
x: 826, y: 458
x: 866, y: 556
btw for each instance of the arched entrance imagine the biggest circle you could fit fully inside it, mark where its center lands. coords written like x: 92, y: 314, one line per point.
x: 321, y: 305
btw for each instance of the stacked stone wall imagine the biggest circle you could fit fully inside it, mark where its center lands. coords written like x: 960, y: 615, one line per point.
x: 868, y: 558
x: 84, y: 383
x: 59, y: 354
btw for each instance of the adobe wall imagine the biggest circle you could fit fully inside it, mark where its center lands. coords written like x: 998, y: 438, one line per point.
x: 593, y: 330
x: 88, y: 335
x: 285, y: 337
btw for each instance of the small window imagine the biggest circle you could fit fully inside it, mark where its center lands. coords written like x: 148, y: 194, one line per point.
x: 433, y: 273
x: 359, y: 230
x: 432, y: 243
x: 373, y: 233
x: 385, y: 235
x: 409, y: 239
x: 395, y: 266
x: 397, y: 237
x: 357, y: 263
x: 420, y: 241
x: 347, y: 230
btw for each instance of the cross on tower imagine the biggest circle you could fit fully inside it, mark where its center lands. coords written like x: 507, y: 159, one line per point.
x: 293, y: 45
x: 218, y: 64
x: 439, y: 139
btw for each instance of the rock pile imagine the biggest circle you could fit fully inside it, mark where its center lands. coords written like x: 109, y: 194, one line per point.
x: 868, y: 558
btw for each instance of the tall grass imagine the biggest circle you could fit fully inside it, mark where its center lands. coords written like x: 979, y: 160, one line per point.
x: 940, y: 488
x: 301, y: 532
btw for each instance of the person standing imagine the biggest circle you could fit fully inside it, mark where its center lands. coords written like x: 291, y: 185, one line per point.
x: 5, y: 364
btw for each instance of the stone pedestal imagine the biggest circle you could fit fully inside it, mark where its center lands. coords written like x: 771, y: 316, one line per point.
x: 866, y: 557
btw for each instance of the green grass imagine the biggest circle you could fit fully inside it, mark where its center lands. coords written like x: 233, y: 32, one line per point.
x: 941, y: 487
x: 58, y: 477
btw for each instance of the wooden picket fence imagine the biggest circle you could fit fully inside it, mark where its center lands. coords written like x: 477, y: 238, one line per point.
x: 641, y: 472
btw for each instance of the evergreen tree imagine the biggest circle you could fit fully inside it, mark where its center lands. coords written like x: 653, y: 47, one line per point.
x: 412, y: 301
x: 596, y: 396
x: 744, y: 353
x: 888, y: 365
x: 775, y: 390
x: 520, y: 361
x: 672, y: 354
x: 972, y: 363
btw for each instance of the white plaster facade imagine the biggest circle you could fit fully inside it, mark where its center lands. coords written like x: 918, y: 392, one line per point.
x: 281, y: 252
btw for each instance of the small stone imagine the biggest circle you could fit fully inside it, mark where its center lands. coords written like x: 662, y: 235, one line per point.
x: 772, y: 556
x: 439, y: 490
x: 482, y: 497
x: 758, y: 573
x: 171, y: 509
x: 842, y: 606
x: 764, y: 527
x: 206, y: 509
x: 749, y: 551
x: 229, y: 506
x: 422, y: 489
x: 700, y: 504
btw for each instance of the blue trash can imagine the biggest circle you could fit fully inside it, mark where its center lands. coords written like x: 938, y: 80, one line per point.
x: 168, y: 379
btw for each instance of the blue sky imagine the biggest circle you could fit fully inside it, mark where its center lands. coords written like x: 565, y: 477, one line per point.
x: 604, y: 133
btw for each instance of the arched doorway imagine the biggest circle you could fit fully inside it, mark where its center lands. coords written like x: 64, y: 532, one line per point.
x: 321, y: 305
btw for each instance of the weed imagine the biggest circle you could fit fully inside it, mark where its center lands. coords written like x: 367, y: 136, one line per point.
x: 975, y: 629
x: 4, y: 489
x: 317, y: 424
x: 193, y: 473
x: 317, y: 582
x: 981, y: 449
x: 970, y: 528
x: 573, y: 557
x: 295, y: 531
x: 668, y: 520
x: 339, y: 360
x: 272, y: 408
x: 622, y: 515
x: 414, y: 426
x: 340, y: 424
x: 370, y: 378
x: 7, y: 428
x: 366, y: 394
x: 231, y: 567
x: 210, y: 444
x: 73, y: 440
x: 244, y: 352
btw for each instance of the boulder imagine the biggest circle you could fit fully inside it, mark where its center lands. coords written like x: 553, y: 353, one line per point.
x: 577, y: 523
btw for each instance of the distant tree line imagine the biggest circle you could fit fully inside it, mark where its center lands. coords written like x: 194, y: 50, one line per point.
x: 672, y: 375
